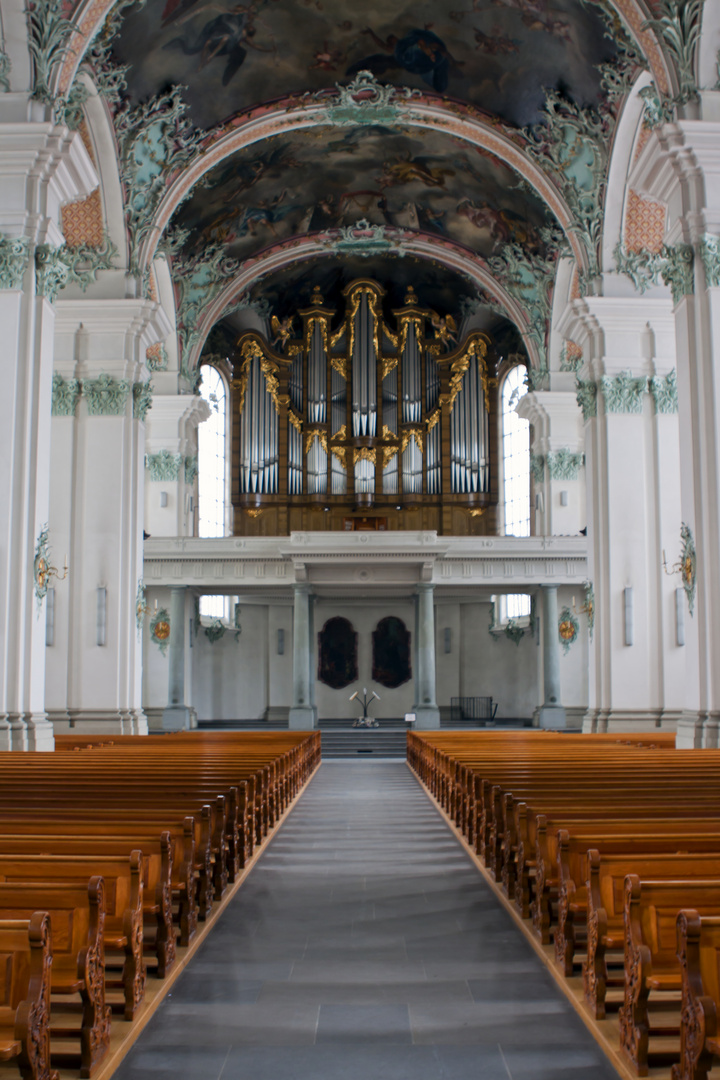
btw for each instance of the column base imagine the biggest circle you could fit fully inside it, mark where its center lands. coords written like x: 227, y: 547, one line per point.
x: 99, y: 722
x: 427, y: 717
x: 26, y: 731
x: 551, y: 716
x: 698, y: 730
x: 302, y: 718
x: 176, y: 718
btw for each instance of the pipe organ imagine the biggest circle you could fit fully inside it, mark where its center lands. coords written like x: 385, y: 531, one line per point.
x: 347, y: 420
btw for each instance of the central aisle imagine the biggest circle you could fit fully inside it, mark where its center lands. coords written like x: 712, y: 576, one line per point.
x: 365, y: 945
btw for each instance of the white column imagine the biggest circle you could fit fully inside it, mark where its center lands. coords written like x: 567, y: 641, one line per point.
x: 633, y: 508
x: 302, y: 714
x: 427, y: 713
x: 41, y: 168
x: 102, y: 345
x: 680, y: 166
x: 176, y: 716
x: 551, y: 714
x: 171, y: 462
x: 558, y: 449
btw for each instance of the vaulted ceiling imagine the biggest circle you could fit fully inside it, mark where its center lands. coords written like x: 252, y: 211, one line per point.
x: 318, y: 115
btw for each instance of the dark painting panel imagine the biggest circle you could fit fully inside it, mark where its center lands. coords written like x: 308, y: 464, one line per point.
x: 391, y: 653
x: 337, y: 653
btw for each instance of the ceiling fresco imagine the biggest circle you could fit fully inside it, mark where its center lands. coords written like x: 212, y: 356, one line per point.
x: 431, y: 182
x: 495, y: 54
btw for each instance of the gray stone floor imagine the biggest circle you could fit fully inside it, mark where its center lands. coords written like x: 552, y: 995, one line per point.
x: 365, y: 946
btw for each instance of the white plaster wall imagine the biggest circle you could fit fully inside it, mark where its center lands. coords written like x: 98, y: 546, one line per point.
x: 230, y: 678
x: 497, y: 668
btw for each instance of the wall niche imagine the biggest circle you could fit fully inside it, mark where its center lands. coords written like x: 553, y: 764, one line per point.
x: 391, y: 653
x: 337, y: 653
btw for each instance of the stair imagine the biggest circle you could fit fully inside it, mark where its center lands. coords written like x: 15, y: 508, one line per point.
x: 341, y: 740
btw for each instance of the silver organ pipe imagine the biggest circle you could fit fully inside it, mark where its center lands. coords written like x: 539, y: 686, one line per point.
x: 317, y: 377
x: 317, y: 468
x: 364, y: 366
x: 469, y: 435
x: 338, y: 420
x: 364, y: 477
x: 432, y: 439
x: 295, y: 442
x: 411, y: 379
x: 390, y: 421
x: 412, y: 462
x: 259, y: 436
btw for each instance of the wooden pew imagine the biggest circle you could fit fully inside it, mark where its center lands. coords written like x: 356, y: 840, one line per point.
x: 25, y: 959
x: 698, y: 951
x: 77, y: 915
x: 652, y: 969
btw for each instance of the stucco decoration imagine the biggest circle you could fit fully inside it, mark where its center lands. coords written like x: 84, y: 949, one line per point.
x: 141, y: 607
x: 709, y: 251
x: 563, y: 464
x: 51, y: 271
x: 191, y: 468
x: 41, y: 565
x: 571, y: 357
x: 49, y: 33
x: 589, y: 607
x: 142, y: 400
x: 673, y: 264
x: 164, y: 465
x: 623, y: 393
x: 160, y: 629
x: 65, y: 395
x: 156, y: 357
x: 688, y: 565
x: 586, y: 393
x: 5, y: 68
x: 678, y: 25
x: 568, y: 628
x: 199, y: 279
x: 665, y: 393
x: 215, y: 631
x: 14, y: 259
x: 537, y: 467
x: 84, y: 260
x: 366, y: 101
x: 106, y: 396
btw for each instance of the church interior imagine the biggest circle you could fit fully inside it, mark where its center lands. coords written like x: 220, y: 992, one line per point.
x: 360, y: 686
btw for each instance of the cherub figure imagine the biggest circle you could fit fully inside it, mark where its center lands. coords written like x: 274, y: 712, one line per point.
x: 445, y: 328
x: 282, y: 329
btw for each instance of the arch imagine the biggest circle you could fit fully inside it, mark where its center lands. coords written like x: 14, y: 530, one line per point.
x: 213, y: 457
x: 425, y: 245
x: 515, y: 456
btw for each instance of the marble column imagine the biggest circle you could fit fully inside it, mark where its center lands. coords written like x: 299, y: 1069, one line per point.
x: 302, y: 714
x: 551, y: 714
x: 427, y: 714
x: 176, y: 716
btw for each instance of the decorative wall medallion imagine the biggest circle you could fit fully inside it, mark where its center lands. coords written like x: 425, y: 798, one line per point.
x: 688, y: 565
x: 337, y: 653
x: 391, y: 652
x: 366, y: 101
x: 160, y: 629
x: 568, y: 628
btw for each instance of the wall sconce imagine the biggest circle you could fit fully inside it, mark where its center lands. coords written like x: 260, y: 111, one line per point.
x: 447, y: 636
x: 101, y: 593
x: 680, y: 616
x: 163, y: 498
x: 280, y: 641
x: 539, y: 501
x: 563, y: 498
x: 628, y: 603
x: 50, y: 617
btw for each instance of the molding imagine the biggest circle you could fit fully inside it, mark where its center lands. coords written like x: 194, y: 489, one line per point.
x: 563, y: 464
x: 164, y: 465
x: 366, y: 101
x: 142, y: 400
x: 665, y: 393
x: 623, y: 393
x: 65, y: 395
x: 106, y: 396
x: 14, y: 259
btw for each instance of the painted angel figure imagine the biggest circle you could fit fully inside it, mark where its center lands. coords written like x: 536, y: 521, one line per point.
x: 282, y: 329
x: 445, y: 328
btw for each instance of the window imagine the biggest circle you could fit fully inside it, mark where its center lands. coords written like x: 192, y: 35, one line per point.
x: 212, y: 467
x: 514, y: 606
x: 214, y: 607
x: 516, y: 456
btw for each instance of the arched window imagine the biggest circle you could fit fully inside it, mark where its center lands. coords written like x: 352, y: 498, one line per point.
x: 515, y: 456
x: 212, y: 458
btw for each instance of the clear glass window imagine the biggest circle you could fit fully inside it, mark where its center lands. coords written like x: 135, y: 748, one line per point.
x: 516, y: 456
x: 213, y: 607
x: 212, y: 466
x: 514, y: 606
